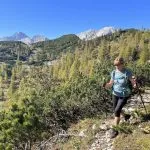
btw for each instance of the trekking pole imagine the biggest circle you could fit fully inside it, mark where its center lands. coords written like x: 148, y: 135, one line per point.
x: 139, y: 93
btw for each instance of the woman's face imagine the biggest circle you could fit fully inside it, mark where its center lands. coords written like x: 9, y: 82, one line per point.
x: 119, y: 66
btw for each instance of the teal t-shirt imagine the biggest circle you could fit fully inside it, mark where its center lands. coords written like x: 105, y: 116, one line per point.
x: 120, y: 86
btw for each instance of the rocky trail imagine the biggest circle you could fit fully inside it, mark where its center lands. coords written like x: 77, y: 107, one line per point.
x: 102, y: 139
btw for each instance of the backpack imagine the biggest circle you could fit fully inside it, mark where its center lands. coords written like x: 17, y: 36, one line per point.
x: 129, y: 84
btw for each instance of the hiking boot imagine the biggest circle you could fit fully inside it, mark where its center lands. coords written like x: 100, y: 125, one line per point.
x: 113, y: 133
x: 127, y: 117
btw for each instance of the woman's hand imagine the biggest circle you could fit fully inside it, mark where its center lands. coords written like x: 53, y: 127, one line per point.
x: 109, y: 84
x: 133, y: 81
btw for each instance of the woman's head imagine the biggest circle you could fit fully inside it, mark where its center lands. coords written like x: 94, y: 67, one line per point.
x: 119, y: 61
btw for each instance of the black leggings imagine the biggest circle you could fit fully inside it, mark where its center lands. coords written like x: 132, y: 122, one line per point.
x: 118, y: 103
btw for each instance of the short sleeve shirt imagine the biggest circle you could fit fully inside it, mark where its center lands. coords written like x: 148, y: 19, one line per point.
x: 120, y: 79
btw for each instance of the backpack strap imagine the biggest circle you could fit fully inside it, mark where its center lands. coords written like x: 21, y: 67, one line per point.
x: 126, y: 77
x: 113, y: 76
x: 113, y: 73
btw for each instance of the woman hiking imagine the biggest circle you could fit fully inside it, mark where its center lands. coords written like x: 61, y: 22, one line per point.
x: 121, y: 91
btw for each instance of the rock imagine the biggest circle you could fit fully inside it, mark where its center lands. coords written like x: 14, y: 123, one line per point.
x: 146, y: 130
x: 108, y: 140
x: 139, y: 126
x: 94, y: 127
x: 97, y: 135
x: 104, y: 127
x: 82, y: 134
x: 131, y: 109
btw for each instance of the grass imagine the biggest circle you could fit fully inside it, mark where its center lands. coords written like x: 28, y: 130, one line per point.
x: 124, y: 128
x: 135, y: 141
x: 89, y: 127
x: 139, y: 139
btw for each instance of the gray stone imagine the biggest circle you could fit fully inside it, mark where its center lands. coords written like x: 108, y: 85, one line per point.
x: 94, y: 127
x: 104, y: 127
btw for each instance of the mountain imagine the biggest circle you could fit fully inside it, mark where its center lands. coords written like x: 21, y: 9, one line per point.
x: 52, y: 49
x: 92, y: 34
x: 38, y: 38
x: 86, y: 35
x: 20, y: 36
x: 15, y: 37
x: 26, y: 40
x: 45, y: 50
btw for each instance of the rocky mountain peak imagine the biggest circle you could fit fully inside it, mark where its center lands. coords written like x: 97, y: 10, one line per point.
x: 91, y: 34
x: 20, y: 36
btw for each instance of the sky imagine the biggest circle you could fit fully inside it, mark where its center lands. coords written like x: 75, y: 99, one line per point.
x: 54, y: 18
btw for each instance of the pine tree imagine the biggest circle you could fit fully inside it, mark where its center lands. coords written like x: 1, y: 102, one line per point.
x: 144, y: 55
x: 74, y: 70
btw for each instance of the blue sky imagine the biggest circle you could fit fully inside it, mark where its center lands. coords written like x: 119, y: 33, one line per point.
x: 54, y: 18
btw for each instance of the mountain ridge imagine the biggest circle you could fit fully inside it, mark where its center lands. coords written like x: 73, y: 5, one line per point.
x: 20, y: 36
x: 92, y: 34
x: 85, y: 35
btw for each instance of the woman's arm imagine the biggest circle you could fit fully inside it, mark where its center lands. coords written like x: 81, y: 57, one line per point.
x: 109, y: 84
